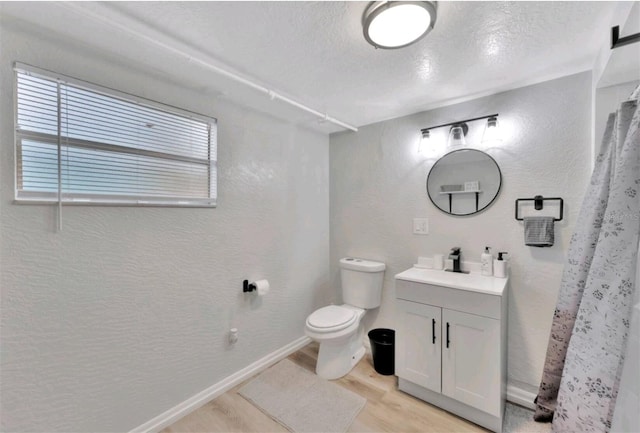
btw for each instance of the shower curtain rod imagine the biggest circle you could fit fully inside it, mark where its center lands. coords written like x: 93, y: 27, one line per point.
x: 217, y: 69
x: 617, y: 41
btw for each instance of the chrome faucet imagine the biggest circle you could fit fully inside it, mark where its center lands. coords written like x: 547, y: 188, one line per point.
x: 455, y: 256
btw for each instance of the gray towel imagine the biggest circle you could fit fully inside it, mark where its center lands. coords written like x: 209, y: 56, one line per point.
x: 538, y: 231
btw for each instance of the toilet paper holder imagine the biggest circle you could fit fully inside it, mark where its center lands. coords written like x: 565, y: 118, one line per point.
x: 259, y: 287
x: 248, y: 287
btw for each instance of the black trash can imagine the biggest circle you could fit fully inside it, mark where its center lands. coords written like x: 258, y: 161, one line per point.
x: 382, y: 349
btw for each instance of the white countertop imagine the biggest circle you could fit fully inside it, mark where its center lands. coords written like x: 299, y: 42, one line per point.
x: 473, y: 282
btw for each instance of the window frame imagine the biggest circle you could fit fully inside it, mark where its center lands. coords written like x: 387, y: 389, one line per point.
x: 94, y: 198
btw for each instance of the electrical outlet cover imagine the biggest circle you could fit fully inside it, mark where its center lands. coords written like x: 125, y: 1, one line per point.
x: 420, y: 226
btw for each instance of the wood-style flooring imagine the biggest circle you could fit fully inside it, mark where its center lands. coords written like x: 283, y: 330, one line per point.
x: 387, y: 409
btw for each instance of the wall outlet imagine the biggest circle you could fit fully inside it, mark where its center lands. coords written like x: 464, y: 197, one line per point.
x: 420, y: 226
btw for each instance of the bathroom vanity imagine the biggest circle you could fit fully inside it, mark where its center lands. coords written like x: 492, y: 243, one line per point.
x: 451, y: 342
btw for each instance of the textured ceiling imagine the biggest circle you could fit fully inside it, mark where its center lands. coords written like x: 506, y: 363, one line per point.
x: 314, y: 52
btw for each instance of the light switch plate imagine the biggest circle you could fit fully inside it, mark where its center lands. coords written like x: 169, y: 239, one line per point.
x: 420, y: 226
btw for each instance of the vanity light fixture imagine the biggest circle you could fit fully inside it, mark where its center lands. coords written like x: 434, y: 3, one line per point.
x: 460, y: 128
x: 396, y: 24
x: 456, y: 135
x: 491, y: 134
x: 425, y: 142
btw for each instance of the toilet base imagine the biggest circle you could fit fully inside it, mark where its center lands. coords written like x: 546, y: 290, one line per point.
x: 337, y: 359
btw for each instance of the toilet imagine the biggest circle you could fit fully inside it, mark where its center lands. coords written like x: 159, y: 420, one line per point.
x: 338, y: 328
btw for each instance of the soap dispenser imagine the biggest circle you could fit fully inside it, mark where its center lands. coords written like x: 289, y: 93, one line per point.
x: 500, y: 266
x: 486, y: 262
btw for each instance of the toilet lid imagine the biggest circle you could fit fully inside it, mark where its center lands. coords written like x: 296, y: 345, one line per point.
x: 331, y: 317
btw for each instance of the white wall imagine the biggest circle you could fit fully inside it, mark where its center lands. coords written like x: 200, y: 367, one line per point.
x: 378, y: 186
x: 125, y: 313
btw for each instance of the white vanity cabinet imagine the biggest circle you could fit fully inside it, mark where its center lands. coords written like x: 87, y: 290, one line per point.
x: 451, y: 342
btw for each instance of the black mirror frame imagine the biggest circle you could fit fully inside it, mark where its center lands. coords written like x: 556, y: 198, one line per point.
x: 479, y: 210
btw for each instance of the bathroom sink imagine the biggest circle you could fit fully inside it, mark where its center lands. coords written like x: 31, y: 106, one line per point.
x: 473, y: 282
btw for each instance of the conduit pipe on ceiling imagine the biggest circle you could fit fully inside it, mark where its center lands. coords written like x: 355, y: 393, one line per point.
x: 207, y: 65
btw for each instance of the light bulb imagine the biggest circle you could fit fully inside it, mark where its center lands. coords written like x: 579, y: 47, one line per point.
x: 425, y: 142
x: 456, y: 136
x: 491, y: 135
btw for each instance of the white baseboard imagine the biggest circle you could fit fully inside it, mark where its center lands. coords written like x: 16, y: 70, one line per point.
x: 514, y: 394
x: 175, y: 413
x: 521, y: 397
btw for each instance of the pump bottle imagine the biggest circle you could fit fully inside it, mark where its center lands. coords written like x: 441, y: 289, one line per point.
x: 486, y: 262
x: 500, y: 266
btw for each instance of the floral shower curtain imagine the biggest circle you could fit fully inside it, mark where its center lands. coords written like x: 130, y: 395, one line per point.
x: 591, y: 321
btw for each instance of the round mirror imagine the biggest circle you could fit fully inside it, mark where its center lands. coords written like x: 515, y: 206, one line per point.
x: 464, y: 182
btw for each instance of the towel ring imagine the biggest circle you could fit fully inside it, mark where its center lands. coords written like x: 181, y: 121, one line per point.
x: 538, y: 204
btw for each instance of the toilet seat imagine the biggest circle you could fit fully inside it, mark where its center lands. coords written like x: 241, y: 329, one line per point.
x: 331, y: 318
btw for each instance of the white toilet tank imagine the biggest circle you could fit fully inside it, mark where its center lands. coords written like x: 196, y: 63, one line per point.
x: 361, y: 282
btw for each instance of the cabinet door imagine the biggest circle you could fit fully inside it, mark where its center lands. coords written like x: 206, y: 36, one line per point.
x: 471, y: 360
x: 418, y: 345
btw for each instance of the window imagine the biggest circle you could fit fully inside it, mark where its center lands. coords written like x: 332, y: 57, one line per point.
x: 77, y: 142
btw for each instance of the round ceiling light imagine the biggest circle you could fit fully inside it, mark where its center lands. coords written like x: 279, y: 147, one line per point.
x: 396, y: 24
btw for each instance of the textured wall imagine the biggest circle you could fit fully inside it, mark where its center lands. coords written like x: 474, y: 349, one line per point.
x: 124, y: 314
x: 378, y: 187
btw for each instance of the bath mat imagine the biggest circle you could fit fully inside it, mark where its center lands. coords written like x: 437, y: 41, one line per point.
x: 302, y: 401
x: 518, y: 419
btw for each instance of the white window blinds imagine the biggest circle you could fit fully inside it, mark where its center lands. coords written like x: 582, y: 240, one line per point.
x: 77, y: 142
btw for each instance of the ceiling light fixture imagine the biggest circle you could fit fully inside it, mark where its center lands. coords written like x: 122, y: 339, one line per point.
x: 396, y: 24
